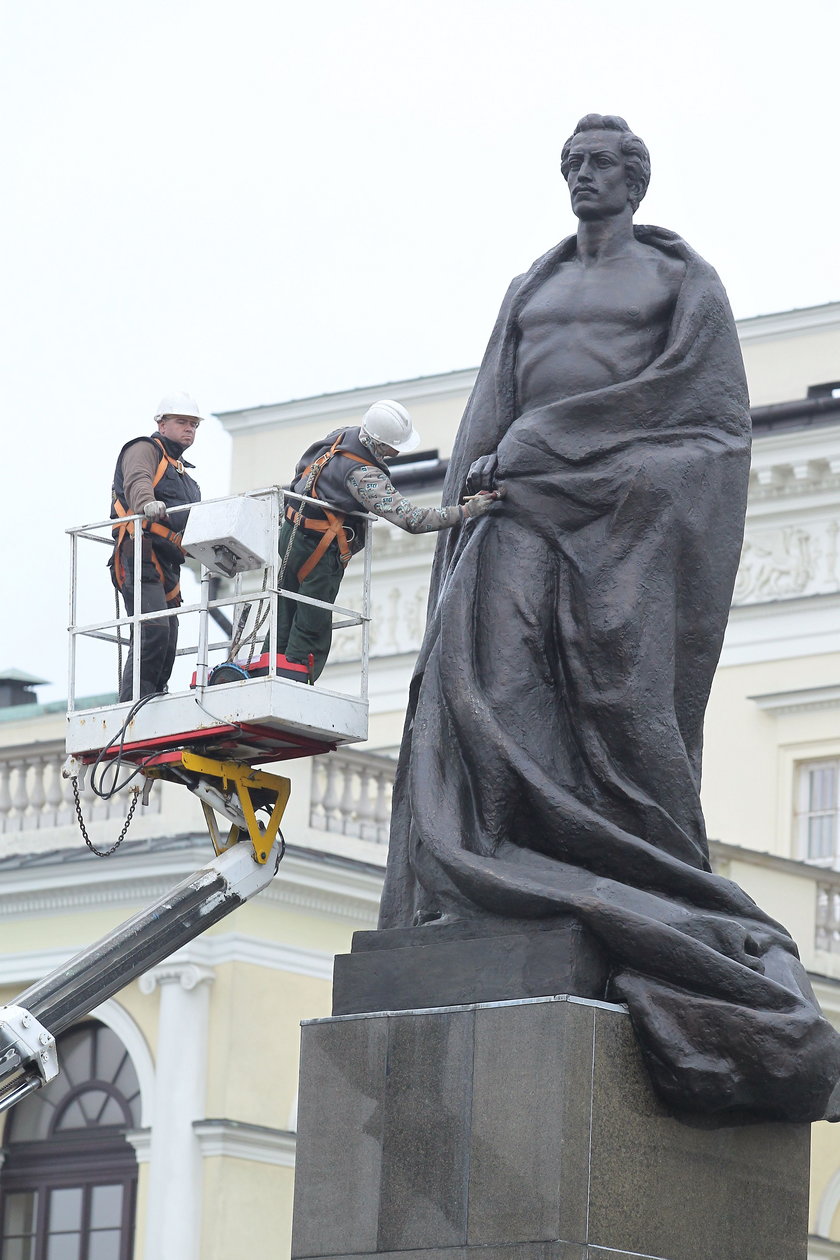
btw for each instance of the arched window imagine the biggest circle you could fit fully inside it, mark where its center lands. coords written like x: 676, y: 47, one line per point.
x: 69, y: 1178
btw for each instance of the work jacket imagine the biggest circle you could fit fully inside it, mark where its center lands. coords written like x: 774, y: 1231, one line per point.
x: 330, y: 484
x: 172, y: 485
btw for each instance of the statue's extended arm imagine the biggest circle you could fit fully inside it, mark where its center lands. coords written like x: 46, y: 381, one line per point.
x: 482, y: 474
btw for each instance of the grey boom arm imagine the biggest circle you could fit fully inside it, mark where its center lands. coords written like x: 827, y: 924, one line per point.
x: 29, y: 1026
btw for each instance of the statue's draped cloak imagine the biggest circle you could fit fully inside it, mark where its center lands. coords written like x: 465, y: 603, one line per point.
x: 551, y: 757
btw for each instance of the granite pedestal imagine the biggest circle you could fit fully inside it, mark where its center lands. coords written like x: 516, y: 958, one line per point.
x: 525, y: 1130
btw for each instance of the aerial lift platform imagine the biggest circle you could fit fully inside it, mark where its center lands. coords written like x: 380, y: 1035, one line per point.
x: 236, y: 714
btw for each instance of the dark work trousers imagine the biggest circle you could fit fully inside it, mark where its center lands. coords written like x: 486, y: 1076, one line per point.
x: 302, y: 629
x: 158, y: 638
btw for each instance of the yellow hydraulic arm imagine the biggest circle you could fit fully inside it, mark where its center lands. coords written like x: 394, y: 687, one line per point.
x: 234, y: 790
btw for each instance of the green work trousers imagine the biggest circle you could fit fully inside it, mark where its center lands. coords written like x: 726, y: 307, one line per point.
x: 302, y: 629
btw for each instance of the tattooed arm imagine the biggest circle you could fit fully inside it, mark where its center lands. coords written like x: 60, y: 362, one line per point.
x: 376, y: 493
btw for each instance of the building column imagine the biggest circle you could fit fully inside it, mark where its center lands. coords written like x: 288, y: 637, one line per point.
x: 173, y: 1217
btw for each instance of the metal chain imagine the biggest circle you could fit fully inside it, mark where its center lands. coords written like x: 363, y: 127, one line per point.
x: 263, y: 610
x: 83, y: 828
x: 251, y: 638
x: 296, y: 520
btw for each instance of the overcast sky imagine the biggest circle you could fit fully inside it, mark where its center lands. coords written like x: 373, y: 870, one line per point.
x: 265, y: 200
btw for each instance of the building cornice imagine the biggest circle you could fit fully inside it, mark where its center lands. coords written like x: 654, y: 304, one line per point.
x: 722, y: 854
x: 789, y: 323
x: 190, y: 965
x: 350, y: 402
x: 816, y: 442
x: 141, y: 1140
x: 805, y: 700
x: 234, y: 1139
x: 793, y: 463
x: 311, y: 883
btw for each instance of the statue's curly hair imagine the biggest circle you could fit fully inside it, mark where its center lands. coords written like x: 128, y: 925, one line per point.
x: 634, y: 150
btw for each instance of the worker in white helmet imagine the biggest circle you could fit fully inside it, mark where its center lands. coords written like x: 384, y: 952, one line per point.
x: 347, y: 470
x: 151, y: 477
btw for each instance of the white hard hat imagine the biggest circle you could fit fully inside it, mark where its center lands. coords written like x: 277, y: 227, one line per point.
x: 177, y: 405
x: 390, y: 423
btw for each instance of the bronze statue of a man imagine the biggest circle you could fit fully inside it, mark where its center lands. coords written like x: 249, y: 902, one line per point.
x: 551, y: 758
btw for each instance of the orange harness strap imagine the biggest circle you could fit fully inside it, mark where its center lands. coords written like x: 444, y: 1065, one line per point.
x: 333, y: 526
x: 123, y: 529
x: 175, y: 593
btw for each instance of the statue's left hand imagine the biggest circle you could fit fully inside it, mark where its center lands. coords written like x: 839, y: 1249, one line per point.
x: 482, y: 474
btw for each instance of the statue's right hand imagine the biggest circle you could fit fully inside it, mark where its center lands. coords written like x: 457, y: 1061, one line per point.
x: 482, y: 474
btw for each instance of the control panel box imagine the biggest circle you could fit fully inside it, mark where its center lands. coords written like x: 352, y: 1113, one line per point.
x: 231, y: 536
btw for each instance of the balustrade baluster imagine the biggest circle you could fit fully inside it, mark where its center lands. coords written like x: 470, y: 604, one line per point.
x: 348, y: 803
x: 37, y: 796
x: 20, y: 795
x: 89, y: 801
x: 332, y: 798
x: 317, y: 813
x: 365, y: 809
x: 382, y: 813
x: 827, y: 918
x: 5, y: 795
x: 57, y: 814
x: 822, y: 935
x: 67, y: 793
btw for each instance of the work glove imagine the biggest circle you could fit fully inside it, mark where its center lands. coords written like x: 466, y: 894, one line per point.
x: 481, y: 503
x: 154, y: 510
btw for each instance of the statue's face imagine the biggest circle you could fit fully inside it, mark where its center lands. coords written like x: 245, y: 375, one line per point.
x: 597, y: 180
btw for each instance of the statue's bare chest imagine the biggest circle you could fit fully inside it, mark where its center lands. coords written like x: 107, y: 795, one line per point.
x: 624, y: 294
x: 589, y: 327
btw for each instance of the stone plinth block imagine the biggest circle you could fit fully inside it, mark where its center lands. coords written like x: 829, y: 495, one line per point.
x: 525, y: 1130
x: 401, y: 969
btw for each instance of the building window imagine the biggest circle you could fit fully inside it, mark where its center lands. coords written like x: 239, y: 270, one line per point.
x: 68, y: 1183
x: 818, y: 812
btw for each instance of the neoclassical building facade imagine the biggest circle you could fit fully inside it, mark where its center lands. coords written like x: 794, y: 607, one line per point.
x: 171, y: 1134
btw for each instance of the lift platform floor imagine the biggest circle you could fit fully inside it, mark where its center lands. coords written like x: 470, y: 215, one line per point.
x: 261, y: 719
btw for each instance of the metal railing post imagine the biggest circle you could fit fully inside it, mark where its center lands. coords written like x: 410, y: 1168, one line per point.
x: 274, y: 573
x: 71, y: 662
x: 366, y: 604
x: 203, y: 632
x: 137, y: 608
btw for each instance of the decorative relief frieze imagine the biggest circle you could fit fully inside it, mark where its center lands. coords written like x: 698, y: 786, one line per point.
x: 788, y: 561
x: 398, y: 620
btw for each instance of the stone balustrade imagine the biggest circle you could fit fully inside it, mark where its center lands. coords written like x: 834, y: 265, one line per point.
x: 34, y: 796
x: 351, y: 794
x: 827, y: 926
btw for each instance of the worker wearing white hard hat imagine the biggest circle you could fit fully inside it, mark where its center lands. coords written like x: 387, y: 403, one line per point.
x: 390, y: 424
x: 347, y: 471
x: 151, y: 478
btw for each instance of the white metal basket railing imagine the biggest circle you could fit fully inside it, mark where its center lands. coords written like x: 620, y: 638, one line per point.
x: 126, y: 631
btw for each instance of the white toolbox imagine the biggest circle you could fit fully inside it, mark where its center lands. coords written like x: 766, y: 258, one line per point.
x: 230, y: 536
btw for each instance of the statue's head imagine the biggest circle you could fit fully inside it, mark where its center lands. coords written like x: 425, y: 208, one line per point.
x: 603, y: 150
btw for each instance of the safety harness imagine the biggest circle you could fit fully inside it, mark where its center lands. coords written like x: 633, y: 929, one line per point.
x: 333, y: 526
x: 125, y: 528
